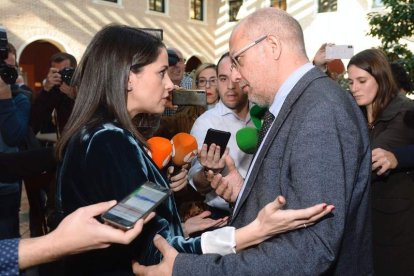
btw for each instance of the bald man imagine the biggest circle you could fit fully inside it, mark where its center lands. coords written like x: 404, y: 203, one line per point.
x: 316, y: 149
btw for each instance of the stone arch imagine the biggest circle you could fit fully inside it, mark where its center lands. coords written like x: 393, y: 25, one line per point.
x: 33, y: 59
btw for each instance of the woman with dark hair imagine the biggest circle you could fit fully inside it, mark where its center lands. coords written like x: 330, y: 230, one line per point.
x: 102, y: 156
x: 372, y: 85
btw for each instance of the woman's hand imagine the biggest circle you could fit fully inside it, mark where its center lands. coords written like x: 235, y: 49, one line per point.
x: 271, y: 220
x: 202, y: 222
x: 383, y: 160
x: 180, y: 180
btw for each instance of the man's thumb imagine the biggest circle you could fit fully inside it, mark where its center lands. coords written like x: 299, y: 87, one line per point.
x: 161, y: 244
x: 230, y: 163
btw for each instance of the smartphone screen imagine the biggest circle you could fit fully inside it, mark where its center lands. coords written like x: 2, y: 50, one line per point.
x: 136, y: 205
x: 218, y: 137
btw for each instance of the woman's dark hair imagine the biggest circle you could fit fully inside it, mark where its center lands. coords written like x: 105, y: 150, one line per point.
x: 101, y: 79
x: 401, y: 77
x: 375, y: 62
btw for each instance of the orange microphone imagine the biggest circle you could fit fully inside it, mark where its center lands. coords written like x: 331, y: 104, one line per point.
x: 160, y: 150
x: 184, y: 148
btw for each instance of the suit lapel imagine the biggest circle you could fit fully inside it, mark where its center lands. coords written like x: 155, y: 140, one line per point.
x: 287, y: 106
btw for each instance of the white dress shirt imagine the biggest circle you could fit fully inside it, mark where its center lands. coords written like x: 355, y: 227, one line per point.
x: 222, y: 118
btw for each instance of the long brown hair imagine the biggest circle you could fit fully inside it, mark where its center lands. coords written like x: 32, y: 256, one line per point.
x: 375, y: 62
x: 102, y: 76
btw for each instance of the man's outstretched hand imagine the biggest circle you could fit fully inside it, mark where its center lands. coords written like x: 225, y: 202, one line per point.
x: 166, y: 265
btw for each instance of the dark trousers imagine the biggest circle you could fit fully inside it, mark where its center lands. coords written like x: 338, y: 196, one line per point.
x: 9, y: 213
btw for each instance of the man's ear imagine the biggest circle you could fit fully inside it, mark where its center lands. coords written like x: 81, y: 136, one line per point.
x: 276, y: 46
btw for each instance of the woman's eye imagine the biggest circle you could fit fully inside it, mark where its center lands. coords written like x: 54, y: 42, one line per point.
x: 162, y: 73
x: 223, y: 79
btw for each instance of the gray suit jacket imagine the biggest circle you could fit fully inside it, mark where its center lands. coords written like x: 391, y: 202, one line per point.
x: 317, y: 150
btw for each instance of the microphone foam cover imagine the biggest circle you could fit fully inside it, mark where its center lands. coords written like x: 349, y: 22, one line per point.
x: 257, y: 113
x: 184, y: 148
x: 160, y: 150
x: 247, y: 139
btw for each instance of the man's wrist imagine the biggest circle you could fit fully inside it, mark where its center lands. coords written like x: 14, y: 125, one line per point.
x: 5, y: 92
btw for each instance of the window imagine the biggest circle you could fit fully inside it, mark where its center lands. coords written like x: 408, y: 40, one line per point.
x: 234, y: 6
x: 197, y: 10
x: 327, y: 6
x: 156, y: 5
x: 281, y: 4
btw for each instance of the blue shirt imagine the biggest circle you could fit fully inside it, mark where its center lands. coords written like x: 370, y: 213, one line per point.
x: 9, y: 260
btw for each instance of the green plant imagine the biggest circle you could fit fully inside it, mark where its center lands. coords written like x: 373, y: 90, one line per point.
x: 392, y: 24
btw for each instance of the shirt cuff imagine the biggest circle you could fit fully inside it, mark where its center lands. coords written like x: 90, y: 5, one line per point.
x: 220, y: 241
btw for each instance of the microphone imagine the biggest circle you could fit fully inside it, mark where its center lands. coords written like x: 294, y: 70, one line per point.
x: 257, y: 113
x: 184, y: 150
x: 160, y: 150
x: 247, y: 139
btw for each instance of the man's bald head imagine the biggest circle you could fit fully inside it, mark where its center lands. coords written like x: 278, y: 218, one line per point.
x: 272, y: 21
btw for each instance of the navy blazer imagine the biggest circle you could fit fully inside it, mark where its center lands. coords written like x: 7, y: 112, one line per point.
x: 317, y: 150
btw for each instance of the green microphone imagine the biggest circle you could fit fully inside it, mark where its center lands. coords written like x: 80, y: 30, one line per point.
x: 247, y: 139
x: 257, y: 113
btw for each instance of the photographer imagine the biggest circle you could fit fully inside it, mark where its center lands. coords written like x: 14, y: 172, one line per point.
x: 14, y: 118
x: 57, y: 94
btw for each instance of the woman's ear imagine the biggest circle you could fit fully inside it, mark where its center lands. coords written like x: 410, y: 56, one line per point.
x: 129, y: 84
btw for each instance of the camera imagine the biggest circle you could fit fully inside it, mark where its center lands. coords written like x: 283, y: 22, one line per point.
x: 7, y: 72
x: 66, y: 74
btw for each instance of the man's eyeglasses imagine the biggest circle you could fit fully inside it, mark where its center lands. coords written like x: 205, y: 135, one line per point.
x: 203, y: 82
x: 235, y: 58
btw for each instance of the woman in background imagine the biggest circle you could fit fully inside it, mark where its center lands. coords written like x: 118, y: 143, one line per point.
x: 373, y: 87
x: 205, y: 78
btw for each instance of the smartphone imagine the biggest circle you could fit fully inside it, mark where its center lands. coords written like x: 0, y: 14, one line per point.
x: 218, y: 137
x: 189, y: 97
x: 339, y: 51
x: 137, y: 205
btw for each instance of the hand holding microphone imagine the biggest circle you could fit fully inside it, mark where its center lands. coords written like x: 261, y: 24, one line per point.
x: 184, y: 150
x: 180, y: 151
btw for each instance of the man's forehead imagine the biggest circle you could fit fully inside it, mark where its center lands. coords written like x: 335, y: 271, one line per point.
x: 235, y: 38
x: 224, y: 66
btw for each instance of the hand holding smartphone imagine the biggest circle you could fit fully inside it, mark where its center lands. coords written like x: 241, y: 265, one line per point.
x: 218, y: 137
x: 137, y: 205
